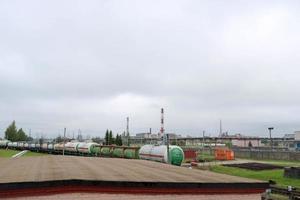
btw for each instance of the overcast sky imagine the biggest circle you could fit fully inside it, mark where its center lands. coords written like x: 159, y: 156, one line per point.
x: 89, y: 64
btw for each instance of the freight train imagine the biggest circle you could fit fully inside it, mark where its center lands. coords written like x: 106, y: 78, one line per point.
x: 147, y: 152
x: 74, y: 148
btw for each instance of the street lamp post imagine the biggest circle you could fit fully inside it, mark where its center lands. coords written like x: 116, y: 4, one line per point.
x: 168, y: 147
x: 270, y: 132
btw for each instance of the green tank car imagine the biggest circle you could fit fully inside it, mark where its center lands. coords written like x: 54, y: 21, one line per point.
x: 105, y: 151
x: 131, y: 153
x: 118, y: 152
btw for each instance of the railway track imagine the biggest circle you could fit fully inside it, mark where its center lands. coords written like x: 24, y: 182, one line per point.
x: 294, y: 194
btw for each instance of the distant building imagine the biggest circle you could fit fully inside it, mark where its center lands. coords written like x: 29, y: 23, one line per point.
x: 297, y: 135
x: 246, y: 142
x: 143, y: 135
x: 289, y: 136
x: 173, y: 136
x: 297, y: 140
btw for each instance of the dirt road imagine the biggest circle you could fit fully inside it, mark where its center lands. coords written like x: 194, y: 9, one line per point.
x: 43, y: 168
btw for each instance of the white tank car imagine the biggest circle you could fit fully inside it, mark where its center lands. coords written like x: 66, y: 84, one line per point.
x: 32, y: 146
x: 86, y: 147
x: 160, y: 153
x: 26, y: 145
x: 145, y: 151
x: 14, y: 144
x: 20, y: 144
x: 10, y: 144
x: 50, y: 147
x: 3, y: 143
x: 71, y: 146
x: 44, y: 146
x: 59, y: 147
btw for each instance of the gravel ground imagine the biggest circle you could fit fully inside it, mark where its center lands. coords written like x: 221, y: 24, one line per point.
x: 80, y: 196
x: 42, y: 168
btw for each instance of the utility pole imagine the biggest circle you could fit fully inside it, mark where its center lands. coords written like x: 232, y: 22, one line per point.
x: 162, y: 126
x: 270, y: 132
x: 64, y: 141
x: 203, y: 139
x: 127, y: 131
x: 168, y: 148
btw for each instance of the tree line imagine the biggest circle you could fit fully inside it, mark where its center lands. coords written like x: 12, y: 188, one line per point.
x: 109, y: 139
x: 13, y: 134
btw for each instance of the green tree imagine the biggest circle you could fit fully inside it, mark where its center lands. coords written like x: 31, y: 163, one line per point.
x: 111, y: 138
x: 11, y: 132
x: 118, y: 140
x: 106, y: 139
x: 21, y: 135
x: 228, y: 144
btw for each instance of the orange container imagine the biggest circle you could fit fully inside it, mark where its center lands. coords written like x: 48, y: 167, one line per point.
x: 230, y: 155
x: 224, y: 154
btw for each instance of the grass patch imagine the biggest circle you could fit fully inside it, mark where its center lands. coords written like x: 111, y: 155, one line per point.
x: 7, y: 153
x: 30, y: 153
x: 264, y: 175
x: 205, y: 157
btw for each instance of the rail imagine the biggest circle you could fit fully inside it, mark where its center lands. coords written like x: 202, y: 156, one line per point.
x: 19, y: 154
x: 293, y: 193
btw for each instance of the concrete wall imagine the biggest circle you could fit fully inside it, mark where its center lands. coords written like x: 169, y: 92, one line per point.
x: 267, y: 155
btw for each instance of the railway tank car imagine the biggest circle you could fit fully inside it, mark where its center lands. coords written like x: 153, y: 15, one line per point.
x: 44, y: 147
x: 58, y: 147
x: 26, y: 145
x: 131, y: 154
x: 160, y: 154
x: 118, y: 153
x: 105, y: 151
x: 4, y: 143
x: 10, y: 145
x: 88, y: 148
x: 50, y: 147
x: 72, y: 146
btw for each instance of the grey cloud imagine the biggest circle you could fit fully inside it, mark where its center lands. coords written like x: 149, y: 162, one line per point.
x: 89, y: 64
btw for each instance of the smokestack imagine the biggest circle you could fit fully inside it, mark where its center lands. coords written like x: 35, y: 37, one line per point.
x: 162, y: 130
x: 127, y: 125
